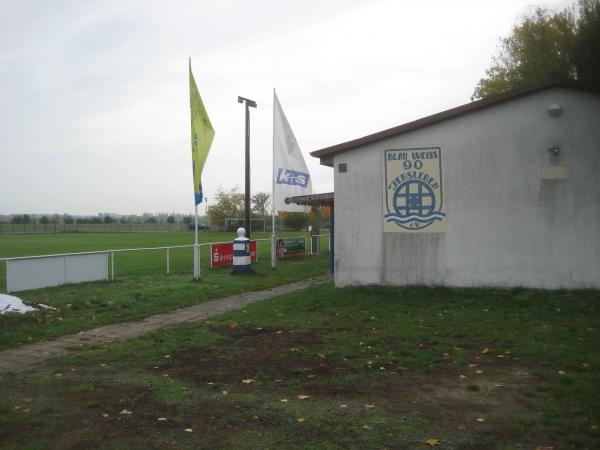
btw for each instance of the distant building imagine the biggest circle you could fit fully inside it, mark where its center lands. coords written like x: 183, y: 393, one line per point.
x: 504, y: 191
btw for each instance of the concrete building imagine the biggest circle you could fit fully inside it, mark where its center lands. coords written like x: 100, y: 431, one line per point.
x: 504, y: 191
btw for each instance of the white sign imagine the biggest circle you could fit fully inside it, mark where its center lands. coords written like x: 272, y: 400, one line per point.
x: 413, y: 191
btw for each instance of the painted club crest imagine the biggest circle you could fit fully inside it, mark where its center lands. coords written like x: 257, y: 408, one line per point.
x: 413, y: 191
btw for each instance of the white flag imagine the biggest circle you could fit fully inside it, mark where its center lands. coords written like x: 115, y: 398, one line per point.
x: 290, y: 174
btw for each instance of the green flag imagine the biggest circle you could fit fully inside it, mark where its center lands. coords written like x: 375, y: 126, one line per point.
x: 202, y: 136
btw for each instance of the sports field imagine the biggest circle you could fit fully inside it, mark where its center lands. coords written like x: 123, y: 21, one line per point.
x: 141, y: 287
x: 151, y: 262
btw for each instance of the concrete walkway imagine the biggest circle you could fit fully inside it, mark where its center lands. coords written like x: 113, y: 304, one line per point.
x: 27, y: 356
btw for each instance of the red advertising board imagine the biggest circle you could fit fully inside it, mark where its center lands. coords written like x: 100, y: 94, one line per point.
x: 222, y: 254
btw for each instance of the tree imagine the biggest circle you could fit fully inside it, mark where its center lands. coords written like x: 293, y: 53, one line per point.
x: 295, y: 220
x: 150, y: 219
x: 187, y: 219
x: 108, y: 219
x: 226, y: 204
x: 68, y: 219
x: 44, y: 220
x: 586, y: 53
x: 261, y: 201
x: 547, y: 46
x: 171, y: 219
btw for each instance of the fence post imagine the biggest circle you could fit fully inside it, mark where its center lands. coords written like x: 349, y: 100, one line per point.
x: 168, y: 262
x: 112, y: 266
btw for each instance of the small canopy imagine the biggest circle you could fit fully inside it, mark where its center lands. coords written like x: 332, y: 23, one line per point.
x: 312, y: 200
x: 320, y: 200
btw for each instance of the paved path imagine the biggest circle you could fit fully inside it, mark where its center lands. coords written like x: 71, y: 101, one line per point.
x: 28, y: 356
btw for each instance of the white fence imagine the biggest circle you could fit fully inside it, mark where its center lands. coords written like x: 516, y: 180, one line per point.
x: 53, y: 270
x: 34, y: 272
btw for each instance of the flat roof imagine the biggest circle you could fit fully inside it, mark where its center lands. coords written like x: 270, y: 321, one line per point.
x: 327, y: 152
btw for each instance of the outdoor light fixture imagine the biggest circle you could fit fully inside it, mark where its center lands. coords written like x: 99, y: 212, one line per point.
x: 555, y: 110
x: 249, y: 104
x: 554, y: 150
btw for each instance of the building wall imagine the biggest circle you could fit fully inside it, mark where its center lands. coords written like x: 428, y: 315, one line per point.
x: 506, y: 226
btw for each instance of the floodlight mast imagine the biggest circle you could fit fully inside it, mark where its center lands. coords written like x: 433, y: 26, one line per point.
x: 249, y: 104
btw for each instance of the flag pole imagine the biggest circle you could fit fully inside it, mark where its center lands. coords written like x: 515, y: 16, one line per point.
x: 273, y: 238
x: 196, y: 252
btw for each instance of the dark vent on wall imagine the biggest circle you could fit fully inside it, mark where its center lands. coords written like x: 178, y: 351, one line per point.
x: 342, y: 167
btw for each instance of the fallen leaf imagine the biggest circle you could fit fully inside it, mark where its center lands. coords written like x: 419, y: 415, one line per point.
x: 479, y: 371
x: 343, y: 406
x: 225, y: 393
x: 321, y: 355
x: 480, y: 419
x: 284, y: 400
x: 432, y: 442
x: 232, y: 324
x: 561, y: 372
x: 463, y: 376
x: 311, y: 375
x: 300, y: 419
x: 189, y: 430
x: 28, y: 400
x: 248, y: 381
x: 303, y: 397
x: 125, y: 412
x: 366, y: 427
x: 485, y: 350
x: 369, y: 406
x: 162, y: 419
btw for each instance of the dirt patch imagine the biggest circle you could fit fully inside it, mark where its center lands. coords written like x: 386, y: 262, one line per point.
x: 265, y: 354
x: 95, y: 416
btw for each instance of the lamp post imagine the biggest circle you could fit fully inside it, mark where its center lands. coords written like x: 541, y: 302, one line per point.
x: 249, y: 103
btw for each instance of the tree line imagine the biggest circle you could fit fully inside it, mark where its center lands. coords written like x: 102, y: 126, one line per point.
x: 230, y: 204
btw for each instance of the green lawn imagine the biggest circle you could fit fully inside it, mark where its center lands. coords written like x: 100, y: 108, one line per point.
x: 141, y: 287
x: 352, y: 368
x: 151, y: 262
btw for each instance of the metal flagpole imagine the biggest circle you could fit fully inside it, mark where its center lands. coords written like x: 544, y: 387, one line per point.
x: 196, y: 253
x: 273, y: 237
x: 273, y: 243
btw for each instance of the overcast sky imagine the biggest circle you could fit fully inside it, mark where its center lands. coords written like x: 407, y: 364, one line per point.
x: 95, y: 96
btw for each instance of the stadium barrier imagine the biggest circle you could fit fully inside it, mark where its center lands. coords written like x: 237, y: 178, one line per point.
x: 34, y: 272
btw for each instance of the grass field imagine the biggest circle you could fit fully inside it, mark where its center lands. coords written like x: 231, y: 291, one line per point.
x: 353, y: 368
x: 141, y: 288
x: 130, y: 263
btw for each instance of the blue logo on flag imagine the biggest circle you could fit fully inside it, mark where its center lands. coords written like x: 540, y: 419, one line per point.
x: 292, y: 177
